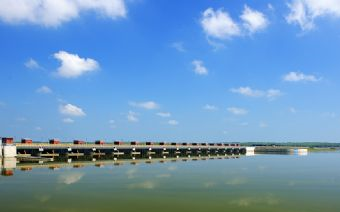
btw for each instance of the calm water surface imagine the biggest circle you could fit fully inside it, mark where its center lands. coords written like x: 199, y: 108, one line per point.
x: 286, y: 183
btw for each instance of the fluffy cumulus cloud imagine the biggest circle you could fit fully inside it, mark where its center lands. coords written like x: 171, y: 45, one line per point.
x: 44, y: 90
x: 299, y: 77
x: 218, y: 24
x: 253, y: 20
x: 132, y: 116
x: 247, y: 91
x: 199, y: 67
x: 237, y: 111
x: 148, y: 105
x: 52, y: 13
x: 71, y: 110
x: 304, y: 12
x: 73, y: 66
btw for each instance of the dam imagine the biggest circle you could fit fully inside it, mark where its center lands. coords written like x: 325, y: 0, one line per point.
x: 55, y: 148
x: 26, y: 151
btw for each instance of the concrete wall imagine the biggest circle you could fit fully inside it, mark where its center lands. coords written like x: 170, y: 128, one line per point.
x: 9, y: 151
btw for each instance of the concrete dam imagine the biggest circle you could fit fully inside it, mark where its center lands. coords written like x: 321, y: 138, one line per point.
x: 18, y: 153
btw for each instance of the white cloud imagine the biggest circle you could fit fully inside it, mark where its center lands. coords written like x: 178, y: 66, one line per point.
x: 2, y: 104
x: 219, y: 24
x: 247, y: 91
x: 199, y: 67
x: 68, y: 120
x: 210, y: 107
x: 21, y: 119
x: 298, y: 77
x: 44, y: 90
x: 329, y: 115
x: 271, y: 7
x: 149, y: 105
x: 71, y: 110
x: 304, y: 12
x: 178, y: 46
x: 112, y: 124
x: 132, y: 116
x: 253, y: 20
x: 173, y: 122
x: 38, y: 128
x: 163, y: 114
x: 237, y: 111
x: 51, y: 13
x: 32, y: 64
x: 73, y: 66
x: 263, y: 125
x: 273, y: 93
x: 292, y: 110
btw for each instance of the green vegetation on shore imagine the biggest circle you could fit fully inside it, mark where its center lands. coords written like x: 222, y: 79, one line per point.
x: 313, y: 145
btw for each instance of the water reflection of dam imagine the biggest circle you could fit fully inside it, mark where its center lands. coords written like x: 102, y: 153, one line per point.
x: 9, y: 165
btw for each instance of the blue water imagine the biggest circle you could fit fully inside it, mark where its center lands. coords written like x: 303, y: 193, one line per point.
x: 260, y: 183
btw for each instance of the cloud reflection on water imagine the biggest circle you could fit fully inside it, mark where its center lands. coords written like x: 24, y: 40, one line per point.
x: 250, y: 201
x: 163, y: 176
x: 143, y: 185
x: 172, y: 168
x: 43, y: 198
x: 131, y: 173
x: 70, y: 178
x: 237, y: 181
x: 209, y: 184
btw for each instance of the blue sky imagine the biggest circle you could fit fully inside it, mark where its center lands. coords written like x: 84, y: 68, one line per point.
x: 170, y: 70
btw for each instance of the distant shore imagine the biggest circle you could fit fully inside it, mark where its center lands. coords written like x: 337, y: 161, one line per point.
x: 309, y: 145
